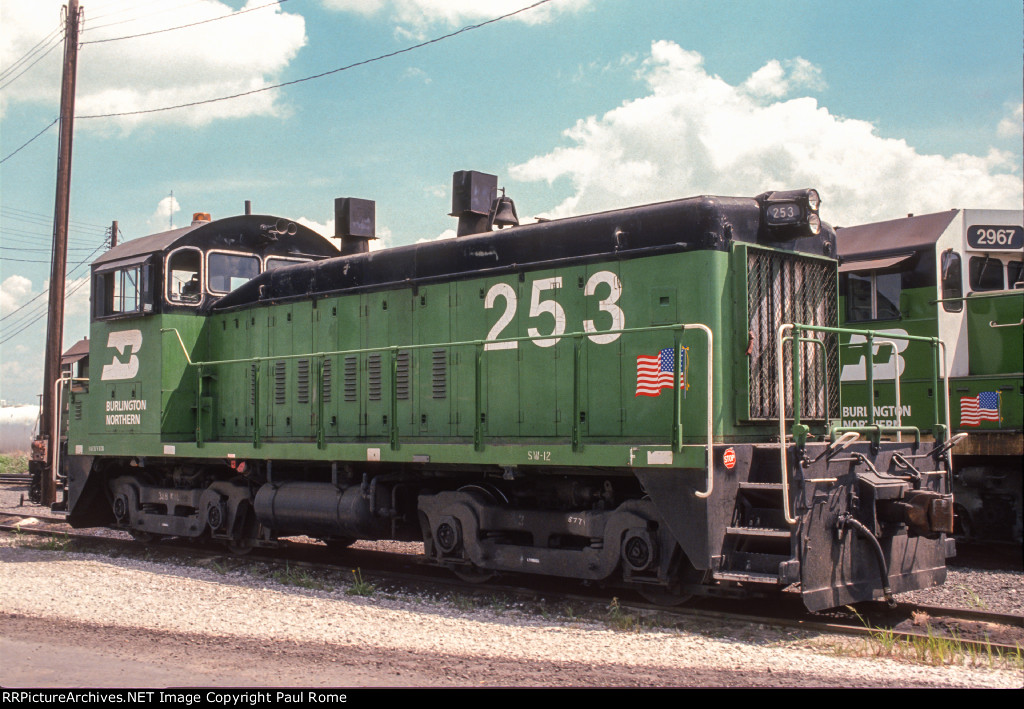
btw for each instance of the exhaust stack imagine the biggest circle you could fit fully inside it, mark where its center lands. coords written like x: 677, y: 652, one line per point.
x: 354, y: 224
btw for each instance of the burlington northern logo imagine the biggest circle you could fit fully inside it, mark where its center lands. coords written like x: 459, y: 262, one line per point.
x: 122, y: 340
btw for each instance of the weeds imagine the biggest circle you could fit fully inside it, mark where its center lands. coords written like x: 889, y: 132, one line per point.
x: 973, y: 599
x: 936, y: 650
x: 359, y: 586
x: 619, y: 619
x: 297, y: 577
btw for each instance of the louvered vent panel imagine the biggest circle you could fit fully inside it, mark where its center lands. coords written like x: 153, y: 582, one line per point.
x: 326, y: 381
x: 373, y: 369
x: 439, y: 374
x: 280, y: 382
x: 403, y: 377
x: 351, y: 378
x: 302, y: 383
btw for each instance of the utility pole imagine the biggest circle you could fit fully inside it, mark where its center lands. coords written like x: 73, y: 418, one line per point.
x: 49, y: 421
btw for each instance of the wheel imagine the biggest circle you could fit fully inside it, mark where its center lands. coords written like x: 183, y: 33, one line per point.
x: 473, y: 574
x: 241, y: 547
x: 247, y: 529
x: 660, y: 596
x: 141, y: 536
x: 681, y: 575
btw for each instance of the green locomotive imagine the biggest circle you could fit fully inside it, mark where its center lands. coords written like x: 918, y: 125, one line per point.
x: 607, y: 398
x: 959, y: 276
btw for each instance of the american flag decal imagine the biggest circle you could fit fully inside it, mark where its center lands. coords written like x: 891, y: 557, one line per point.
x: 983, y: 407
x: 656, y: 372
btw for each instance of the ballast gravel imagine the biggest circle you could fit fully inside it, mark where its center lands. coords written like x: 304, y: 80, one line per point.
x: 150, y: 624
x: 489, y: 646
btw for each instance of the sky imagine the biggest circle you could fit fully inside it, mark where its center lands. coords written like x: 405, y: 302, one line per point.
x: 886, y: 108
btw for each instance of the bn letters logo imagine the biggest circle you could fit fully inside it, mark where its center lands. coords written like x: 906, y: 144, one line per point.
x: 880, y: 370
x: 125, y: 342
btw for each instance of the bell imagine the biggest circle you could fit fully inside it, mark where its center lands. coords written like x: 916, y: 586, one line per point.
x: 505, y: 214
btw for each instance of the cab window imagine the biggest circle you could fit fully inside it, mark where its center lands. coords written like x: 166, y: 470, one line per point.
x: 1015, y: 274
x: 227, y: 271
x: 952, y: 282
x: 184, y: 283
x: 986, y: 273
x: 873, y: 296
x: 121, y: 291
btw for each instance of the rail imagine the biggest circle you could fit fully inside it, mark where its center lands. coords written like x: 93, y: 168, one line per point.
x: 480, y: 347
x: 799, y: 431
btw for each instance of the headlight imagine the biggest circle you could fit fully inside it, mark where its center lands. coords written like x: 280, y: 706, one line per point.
x: 814, y: 224
x: 813, y: 201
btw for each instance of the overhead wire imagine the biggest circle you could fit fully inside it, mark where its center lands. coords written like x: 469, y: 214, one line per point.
x: 179, y: 27
x: 467, y: 28
x: 58, y: 30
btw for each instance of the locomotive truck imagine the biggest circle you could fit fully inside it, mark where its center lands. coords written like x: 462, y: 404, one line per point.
x: 643, y: 398
x: 959, y: 276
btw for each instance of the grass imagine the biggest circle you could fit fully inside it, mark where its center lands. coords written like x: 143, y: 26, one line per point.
x: 620, y: 619
x: 360, y: 587
x: 973, y: 599
x: 297, y: 577
x: 14, y: 464
x: 937, y: 650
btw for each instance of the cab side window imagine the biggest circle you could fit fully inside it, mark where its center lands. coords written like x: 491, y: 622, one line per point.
x: 952, y: 282
x: 986, y: 273
x: 121, y: 291
x: 873, y: 296
x: 184, y: 282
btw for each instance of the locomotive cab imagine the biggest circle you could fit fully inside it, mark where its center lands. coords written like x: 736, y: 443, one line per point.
x: 149, y: 300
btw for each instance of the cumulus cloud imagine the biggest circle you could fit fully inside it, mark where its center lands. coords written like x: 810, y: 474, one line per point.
x: 165, y: 210
x: 694, y: 133
x: 413, y: 18
x: 15, y: 291
x: 1010, y: 127
x: 230, y: 56
x: 21, y: 366
x: 326, y: 229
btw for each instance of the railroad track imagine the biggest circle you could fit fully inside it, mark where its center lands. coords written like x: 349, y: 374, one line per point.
x: 15, y: 478
x: 969, y: 629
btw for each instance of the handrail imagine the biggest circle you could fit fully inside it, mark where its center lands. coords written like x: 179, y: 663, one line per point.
x: 58, y: 384
x: 479, y: 350
x: 938, y: 347
x: 175, y: 331
x: 871, y: 390
x: 992, y: 323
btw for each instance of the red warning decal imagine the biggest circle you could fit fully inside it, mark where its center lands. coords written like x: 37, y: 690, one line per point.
x: 729, y: 458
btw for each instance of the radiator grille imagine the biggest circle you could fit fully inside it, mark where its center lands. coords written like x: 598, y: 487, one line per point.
x: 786, y: 288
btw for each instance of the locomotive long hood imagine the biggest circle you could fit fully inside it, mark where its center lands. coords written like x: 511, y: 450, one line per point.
x: 696, y: 223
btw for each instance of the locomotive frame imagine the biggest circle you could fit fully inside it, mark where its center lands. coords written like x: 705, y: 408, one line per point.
x: 410, y: 393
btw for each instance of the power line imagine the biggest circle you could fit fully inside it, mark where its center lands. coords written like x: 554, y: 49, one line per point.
x: 467, y: 28
x: 29, y: 141
x: 191, y: 24
x: 54, y: 45
x: 44, y: 292
x: 59, y: 29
